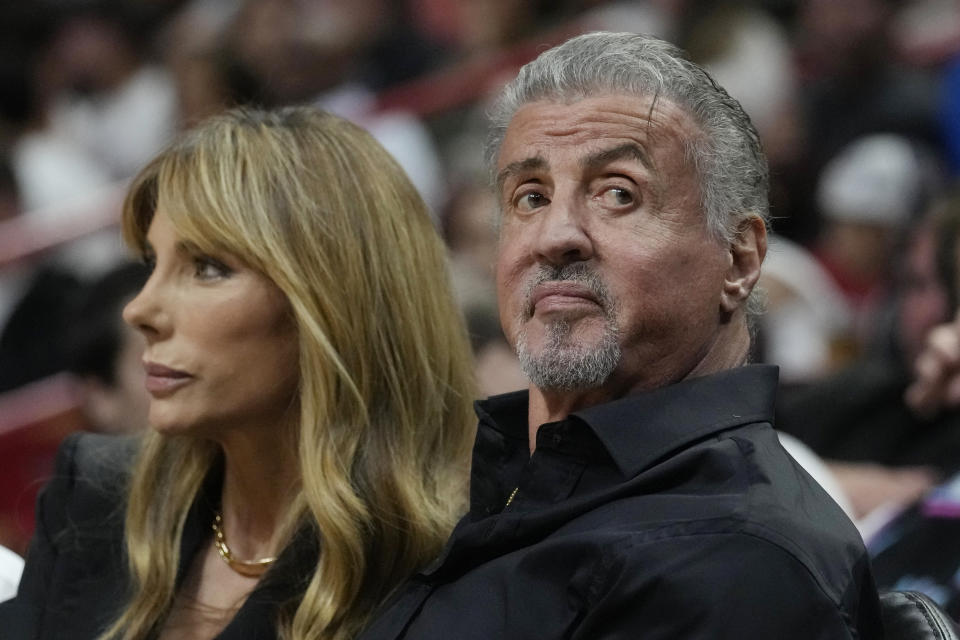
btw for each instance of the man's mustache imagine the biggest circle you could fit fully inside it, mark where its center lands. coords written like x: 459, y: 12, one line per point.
x: 578, y: 272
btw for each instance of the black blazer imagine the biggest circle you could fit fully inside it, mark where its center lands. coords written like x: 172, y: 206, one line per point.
x: 75, y: 580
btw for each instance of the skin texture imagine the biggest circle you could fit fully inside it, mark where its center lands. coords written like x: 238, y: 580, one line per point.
x: 605, y: 182
x: 226, y: 327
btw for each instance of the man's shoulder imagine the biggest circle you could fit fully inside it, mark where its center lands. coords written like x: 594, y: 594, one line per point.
x: 759, y: 501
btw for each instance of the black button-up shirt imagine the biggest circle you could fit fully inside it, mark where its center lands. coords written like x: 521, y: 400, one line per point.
x: 669, y: 514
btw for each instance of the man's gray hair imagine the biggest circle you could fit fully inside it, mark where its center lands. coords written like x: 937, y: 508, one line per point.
x: 734, y: 179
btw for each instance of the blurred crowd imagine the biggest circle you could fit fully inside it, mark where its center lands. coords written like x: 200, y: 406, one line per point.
x: 857, y: 103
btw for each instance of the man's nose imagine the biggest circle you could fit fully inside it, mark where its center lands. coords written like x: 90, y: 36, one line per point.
x: 563, y: 235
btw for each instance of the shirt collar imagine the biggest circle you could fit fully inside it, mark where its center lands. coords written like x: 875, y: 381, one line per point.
x: 641, y: 428
x: 506, y: 412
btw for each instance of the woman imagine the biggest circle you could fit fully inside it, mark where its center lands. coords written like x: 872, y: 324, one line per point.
x: 310, y: 387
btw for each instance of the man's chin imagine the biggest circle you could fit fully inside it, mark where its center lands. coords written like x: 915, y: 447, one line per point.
x: 577, y: 336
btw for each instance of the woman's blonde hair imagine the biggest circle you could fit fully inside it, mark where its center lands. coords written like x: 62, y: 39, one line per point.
x: 317, y: 206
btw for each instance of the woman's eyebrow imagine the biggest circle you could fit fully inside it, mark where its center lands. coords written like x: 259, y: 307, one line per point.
x: 187, y: 248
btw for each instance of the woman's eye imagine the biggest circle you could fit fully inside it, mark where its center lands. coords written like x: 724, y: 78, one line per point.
x: 207, y: 268
x: 532, y: 200
x: 617, y: 197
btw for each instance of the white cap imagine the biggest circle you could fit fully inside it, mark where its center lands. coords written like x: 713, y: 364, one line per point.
x: 874, y: 179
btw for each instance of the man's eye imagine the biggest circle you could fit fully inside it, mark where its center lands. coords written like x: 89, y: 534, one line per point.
x: 531, y: 201
x: 617, y: 197
x: 207, y: 268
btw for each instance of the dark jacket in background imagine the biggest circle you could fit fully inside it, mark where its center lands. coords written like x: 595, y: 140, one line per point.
x: 858, y: 415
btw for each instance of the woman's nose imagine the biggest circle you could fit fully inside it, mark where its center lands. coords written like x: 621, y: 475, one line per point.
x: 145, y: 311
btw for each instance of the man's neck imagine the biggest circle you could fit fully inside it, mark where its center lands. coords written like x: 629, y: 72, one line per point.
x: 728, y: 351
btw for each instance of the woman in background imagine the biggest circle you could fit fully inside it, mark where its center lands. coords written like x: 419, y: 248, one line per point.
x: 310, y: 384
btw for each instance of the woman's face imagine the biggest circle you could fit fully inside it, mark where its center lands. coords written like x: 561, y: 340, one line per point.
x: 221, y: 346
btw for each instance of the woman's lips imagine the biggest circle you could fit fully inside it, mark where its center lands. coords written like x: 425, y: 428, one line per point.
x: 162, y: 380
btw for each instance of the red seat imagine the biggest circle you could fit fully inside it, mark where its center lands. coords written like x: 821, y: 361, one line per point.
x: 34, y: 420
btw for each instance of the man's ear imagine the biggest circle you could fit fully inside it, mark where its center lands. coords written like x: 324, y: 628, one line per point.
x: 747, y: 250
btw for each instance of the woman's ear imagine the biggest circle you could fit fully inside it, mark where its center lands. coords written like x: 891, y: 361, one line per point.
x: 747, y: 250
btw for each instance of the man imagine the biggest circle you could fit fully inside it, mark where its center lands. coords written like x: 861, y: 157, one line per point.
x: 637, y: 490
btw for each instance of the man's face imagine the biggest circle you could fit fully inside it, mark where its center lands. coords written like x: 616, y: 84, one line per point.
x: 607, y: 275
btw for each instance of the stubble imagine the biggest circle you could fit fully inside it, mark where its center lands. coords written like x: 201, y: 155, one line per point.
x: 564, y: 363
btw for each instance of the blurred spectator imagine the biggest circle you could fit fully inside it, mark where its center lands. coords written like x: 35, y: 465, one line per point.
x: 192, y: 50
x: 750, y: 54
x: 105, y: 354
x: 496, y: 364
x: 859, y: 415
x: 918, y: 549
x: 33, y: 341
x: 949, y: 114
x: 472, y: 27
x: 331, y: 53
x: 807, y: 325
x: 656, y: 18
x: 94, y: 109
x: 9, y: 192
x: 853, y: 82
x: 97, y: 109
x: 469, y: 227
x: 102, y: 93
x: 867, y: 195
x: 13, y: 278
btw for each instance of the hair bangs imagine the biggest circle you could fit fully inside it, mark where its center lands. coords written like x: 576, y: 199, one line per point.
x: 208, y: 203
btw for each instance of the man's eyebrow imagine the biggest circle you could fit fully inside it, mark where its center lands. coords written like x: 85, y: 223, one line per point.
x: 520, y: 166
x: 628, y: 151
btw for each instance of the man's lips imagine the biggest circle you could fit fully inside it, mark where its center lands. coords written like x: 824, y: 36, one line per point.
x: 558, y: 294
x: 163, y: 380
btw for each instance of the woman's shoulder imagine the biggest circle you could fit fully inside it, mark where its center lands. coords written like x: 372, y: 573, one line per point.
x: 97, y: 454
x: 90, y: 476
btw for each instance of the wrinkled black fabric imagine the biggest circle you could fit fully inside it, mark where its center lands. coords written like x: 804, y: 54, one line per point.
x: 669, y: 514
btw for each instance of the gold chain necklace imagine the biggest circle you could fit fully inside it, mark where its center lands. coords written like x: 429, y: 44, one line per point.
x: 251, y: 568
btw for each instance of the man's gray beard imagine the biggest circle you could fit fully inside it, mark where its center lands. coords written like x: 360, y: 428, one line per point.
x: 561, y: 366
